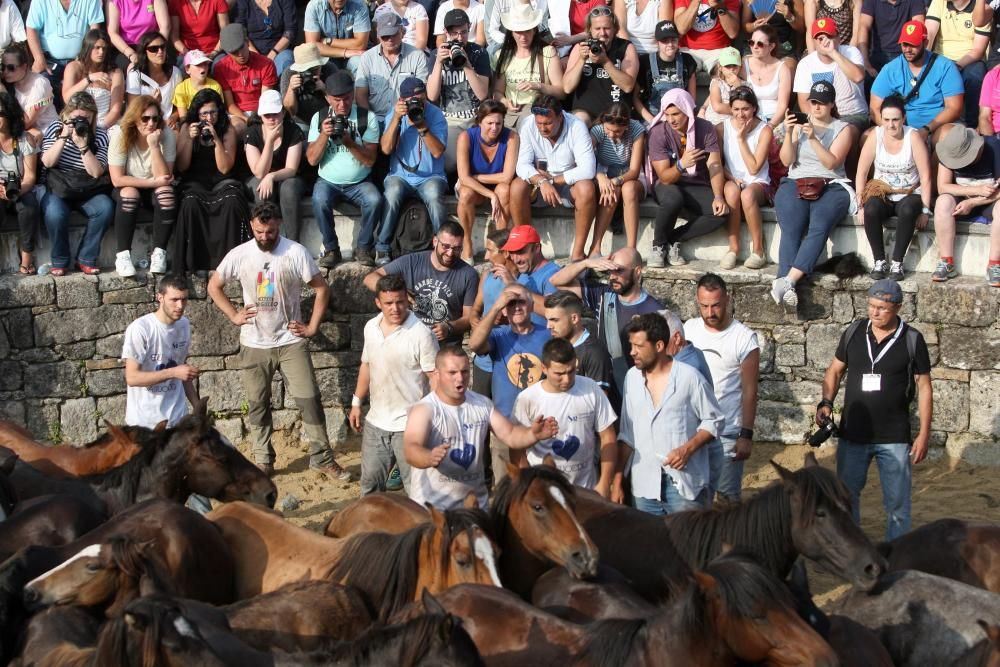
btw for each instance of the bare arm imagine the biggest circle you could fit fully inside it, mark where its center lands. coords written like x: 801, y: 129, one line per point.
x: 37, y: 54
x: 479, y: 337
x: 865, y: 160
x: 925, y: 401
x: 831, y: 385
x: 985, y: 121
x: 922, y: 158
x: 372, y: 278
x: 136, y: 377
x: 418, y: 430
x: 749, y: 372
x: 521, y: 437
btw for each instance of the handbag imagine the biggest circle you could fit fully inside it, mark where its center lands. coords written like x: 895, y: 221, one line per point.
x: 810, y: 189
x: 76, y: 185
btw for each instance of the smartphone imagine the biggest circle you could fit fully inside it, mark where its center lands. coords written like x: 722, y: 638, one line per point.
x: 801, y: 118
x: 543, y: 164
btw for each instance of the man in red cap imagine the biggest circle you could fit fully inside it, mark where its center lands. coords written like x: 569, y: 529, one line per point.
x: 525, y: 250
x: 881, y: 21
x: 842, y: 66
x: 953, y: 33
x: 930, y: 85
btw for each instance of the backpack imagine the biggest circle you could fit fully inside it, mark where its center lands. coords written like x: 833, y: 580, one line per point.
x: 911, y: 335
x: 413, y: 229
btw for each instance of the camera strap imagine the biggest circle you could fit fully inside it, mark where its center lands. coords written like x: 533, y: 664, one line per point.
x: 420, y: 157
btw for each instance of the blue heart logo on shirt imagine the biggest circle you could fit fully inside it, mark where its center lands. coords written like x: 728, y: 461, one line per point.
x: 566, y: 448
x: 463, y: 457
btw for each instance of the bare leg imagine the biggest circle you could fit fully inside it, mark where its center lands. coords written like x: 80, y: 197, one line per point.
x: 503, y: 194
x: 585, y: 202
x: 751, y: 198
x: 733, y: 196
x: 604, y: 215
x: 520, y: 202
x: 995, y: 234
x: 944, y: 225
x: 468, y: 200
x: 632, y: 192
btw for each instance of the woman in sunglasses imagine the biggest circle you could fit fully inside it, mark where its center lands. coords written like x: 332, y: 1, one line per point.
x: 129, y: 20
x: 154, y: 74
x: 601, y: 70
x: 94, y: 72
x: 33, y: 91
x: 141, y: 160
x: 619, y: 143
x: 770, y: 77
x: 18, y: 175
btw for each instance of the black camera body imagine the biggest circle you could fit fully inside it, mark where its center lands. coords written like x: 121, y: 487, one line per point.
x: 308, y: 86
x: 340, y: 127
x: 596, y: 46
x: 457, y: 56
x: 826, y: 429
x: 205, y: 137
x: 415, y: 110
x: 11, y: 183
x: 81, y: 126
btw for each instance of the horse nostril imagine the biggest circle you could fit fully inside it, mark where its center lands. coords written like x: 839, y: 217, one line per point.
x: 873, y: 570
x: 31, y: 596
x: 271, y: 499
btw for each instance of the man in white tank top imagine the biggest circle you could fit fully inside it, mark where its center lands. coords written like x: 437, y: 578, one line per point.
x: 446, y: 432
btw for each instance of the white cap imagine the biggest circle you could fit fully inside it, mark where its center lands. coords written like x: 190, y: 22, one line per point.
x: 270, y: 102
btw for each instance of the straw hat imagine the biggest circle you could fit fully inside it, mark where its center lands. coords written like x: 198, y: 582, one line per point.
x: 522, y: 16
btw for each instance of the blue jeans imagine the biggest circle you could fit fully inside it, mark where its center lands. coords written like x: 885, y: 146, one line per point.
x: 972, y: 76
x: 99, y: 211
x: 397, y: 190
x: 283, y: 60
x: 364, y: 195
x: 805, y: 225
x: 671, y: 500
x: 893, y: 462
x: 725, y: 475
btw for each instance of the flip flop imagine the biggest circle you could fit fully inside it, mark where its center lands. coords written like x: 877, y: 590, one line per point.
x: 28, y: 270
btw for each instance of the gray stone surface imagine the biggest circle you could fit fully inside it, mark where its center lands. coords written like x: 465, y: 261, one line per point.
x: 231, y: 428
x: 105, y: 382
x: 78, y: 420
x: 19, y: 331
x: 211, y: 331
x: 331, y: 336
x: 336, y: 384
x: 108, y: 282
x: 767, y: 350
x: 42, y: 418
x: 10, y: 375
x: 111, y: 409
x: 59, y: 380
x: 788, y: 334
x: 821, y: 343
x: 142, y: 295
x: 347, y: 292
x: 336, y: 425
x: 781, y: 422
x: 12, y: 411
x: 977, y: 304
x: 951, y: 406
x: 26, y: 291
x: 70, y: 326
x: 224, y: 390
x: 815, y: 302
x: 753, y: 303
x: 803, y: 393
x: 970, y: 349
x: 77, y: 290
x: 843, y: 307
x: 4, y: 344
x: 984, y: 403
x: 77, y: 351
x: 111, y: 346
x: 790, y: 355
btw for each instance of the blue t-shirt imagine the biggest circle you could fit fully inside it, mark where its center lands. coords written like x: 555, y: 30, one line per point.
x: 354, y: 18
x: 943, y: 80
x: 61, y: 32
x: 538, y: 281
x: 411, y: 149
x: 517, y: 363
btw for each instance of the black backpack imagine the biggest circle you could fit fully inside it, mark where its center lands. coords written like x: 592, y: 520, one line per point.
x: 413, y: 230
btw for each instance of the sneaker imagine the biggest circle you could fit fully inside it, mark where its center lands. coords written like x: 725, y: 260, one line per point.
x: 779, y: 286
x: 332, y: 469
x: 993, y: 275
x: 364, y: 257
x: 382, y: 258
x: 395, y: 481
x: 790, y: 298
x: 674, y: 255
x: 755, y: 261
x: 878, y: 271
x: 158, y: 261
x: 728, y: 260
x: 88, y: 269
x: 330, y: 258
x: 655, y: 260
x: 943, y: 272
x: 124, y: 265
x: 896, y: 271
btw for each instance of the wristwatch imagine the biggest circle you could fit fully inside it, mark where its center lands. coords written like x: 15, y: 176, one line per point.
x: 825, y: 403
x: 926, y: 211
x: 746, y: 433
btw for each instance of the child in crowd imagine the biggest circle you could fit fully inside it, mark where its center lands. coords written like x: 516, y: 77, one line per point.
x: 197, y: 66
x: 725, y: 77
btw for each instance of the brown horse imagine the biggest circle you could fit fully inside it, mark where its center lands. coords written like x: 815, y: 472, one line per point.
x: 58, y: 636
x: 966, y: 551
x: 391, y: 569
x: 110, y: 450
x: 531, y: 511
x: 48, y: 521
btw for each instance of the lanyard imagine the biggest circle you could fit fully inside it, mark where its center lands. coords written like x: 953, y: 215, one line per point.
x: 868, y: 341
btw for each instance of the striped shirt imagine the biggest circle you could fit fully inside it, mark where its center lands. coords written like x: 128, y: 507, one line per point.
x: 70, y: 157
x: 614, y: 158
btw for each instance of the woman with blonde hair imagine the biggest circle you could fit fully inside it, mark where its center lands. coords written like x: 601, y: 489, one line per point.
x: 95, y: 72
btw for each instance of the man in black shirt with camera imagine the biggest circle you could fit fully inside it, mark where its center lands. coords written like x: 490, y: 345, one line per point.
x: 303, y: 91
x: 886, y: 361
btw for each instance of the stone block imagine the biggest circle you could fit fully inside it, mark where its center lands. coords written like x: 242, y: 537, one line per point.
x: 211, y: 332
x: 4, y: 344
x: 224, y: 391
x: 803, y: 393
x: 336, y: 384
x: 12, y: 411
x: 972, y: 305
x: 19, y: 328
x: 790, y: 354
x: 781, y: 422
x: 753, y: 303
x: 134, y: 295
x: 105, y: 382
x: 788, y: 334
x: 973, y: 449
x: 112, y: 282
x: 349, y: 358
x: 677, y: 295
x: 111, y: 409
x: 26, y: 291
x: 984, y: 403
x: 78, y: 420
x: 10, y: 375
x: 843, y: 307
x: 285, y: 420
x: 821, y: 343
x: 942, y: 373
x: 111, y: 346
x: 767, y: 348
x: 37, y: 355
x: 42, y: 419
x: 951, y: 405
x: 70, y: 326
x: 349, y: 294
x: 336, y: 426
x: 927, y: 330
x: 231, y: 428
x: 103, y: 364
x: 77, y: 351
x: 77, y: 290
x: 331, y: 336
x: 970, y: 349
x: 62, y: 379
x: 358, y: 331
x: 815, y: 302
x: 207, y: 363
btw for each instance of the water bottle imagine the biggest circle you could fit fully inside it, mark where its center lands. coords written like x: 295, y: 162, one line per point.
x: 44, y: 269
x: 143, y: 264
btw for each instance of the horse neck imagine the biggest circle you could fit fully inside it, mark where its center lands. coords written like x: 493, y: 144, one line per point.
x: 519, y: 567
x: 432, y: 569
x: 120, y: 489
x: 688, y: 641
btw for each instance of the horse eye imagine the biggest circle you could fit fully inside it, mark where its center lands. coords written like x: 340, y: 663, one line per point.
x: 538, y: 507
x: 462, y: 561
x: 821, y: 513
x: 93, y: 567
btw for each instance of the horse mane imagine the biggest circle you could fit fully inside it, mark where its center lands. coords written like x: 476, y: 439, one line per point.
x: 127, y: 477
x: 510, y: 490
x: 137, y: 560
x: 745, y: 587
x: 112, y: 648
x: 610, y: 642
x: 139, y: 435
x: 70, y: 655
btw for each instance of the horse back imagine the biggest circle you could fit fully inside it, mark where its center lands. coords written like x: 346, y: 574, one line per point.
x: 855, y: 644
x: 965, y: 551
x: 62, y: 461
x: 376, y: 512
x: 606, y: 596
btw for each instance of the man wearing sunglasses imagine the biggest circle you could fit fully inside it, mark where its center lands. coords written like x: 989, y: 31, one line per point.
x: 384, y: 67
x: 602, y: 69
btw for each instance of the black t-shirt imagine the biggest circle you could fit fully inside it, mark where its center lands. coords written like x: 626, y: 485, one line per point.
x: 308, y: 105
x: 988, y: 164
x: 291, y: 135
x: 595, y: 363
x: 458, y: 100
x: 879, y: 417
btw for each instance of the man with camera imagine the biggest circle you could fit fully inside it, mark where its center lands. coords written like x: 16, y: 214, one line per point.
x: 459, y: 81
x: 383, y: 68
x: 343, y: 143
x: 302, y: 86
x: 886, y: 361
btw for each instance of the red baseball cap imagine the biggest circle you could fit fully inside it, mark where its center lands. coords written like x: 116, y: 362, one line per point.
x: 913, y: 33
x: 521, y: 236
x: 824, y: 26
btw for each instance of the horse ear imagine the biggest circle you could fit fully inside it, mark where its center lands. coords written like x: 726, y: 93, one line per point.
x: 706, y: 582
x: 785, y: 474
x: 431, y: 605
x: 549, y: 461
x: 470, y: 502
x: 116, y: 431
x: 512, y: 471
x: 811, y: 461
x: 162, y: 426
x: 992, y: 631
x: 437, y: 518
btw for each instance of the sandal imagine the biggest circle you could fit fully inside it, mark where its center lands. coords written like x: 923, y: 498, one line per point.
x: 29, y: 270
x: 58, y: 271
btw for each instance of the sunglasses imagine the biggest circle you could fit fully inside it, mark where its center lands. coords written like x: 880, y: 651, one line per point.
x: 541, y: 111
x: 603, y: 10
x: 150, y: 119
x: 156, y: 48
x: 758, y: 43
x: 10, y: 68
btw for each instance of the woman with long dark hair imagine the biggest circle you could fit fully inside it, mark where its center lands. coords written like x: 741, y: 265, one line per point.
x: 32, y: 90
x: 95, y: 72
x: 526, y: 66
x: 18, y: 175
x: 213, y: 208
x: 154, y: 74
x: 129, y: 20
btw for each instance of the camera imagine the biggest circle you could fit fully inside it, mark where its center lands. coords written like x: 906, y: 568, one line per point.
x: 205, y: 137
x: 11, y: 184
x: 826, y: 429
x: 456, y: 55
x: 81, y: 126
x: 415, y: 110
x: 340, y: 127
x: 596, y: 46
x: 308, y: 86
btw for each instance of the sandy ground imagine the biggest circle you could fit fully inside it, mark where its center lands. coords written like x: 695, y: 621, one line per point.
x: 941, y: 488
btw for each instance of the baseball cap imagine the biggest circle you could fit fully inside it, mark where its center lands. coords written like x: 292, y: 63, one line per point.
x: 666, y: 30
x: 195, y: 57
x: 339, y: 83
x: 822, y: 92
x: 913, y: 33
x: 411, y: 86
x: 521, y: 236
x: 959, y: 147
x: 233, y: 37
x: 824, y: 26
x: 729, y: 56
x: 388, y: 24
x: 886, y: 290
x: 270, y: 102
x: 456, y: 17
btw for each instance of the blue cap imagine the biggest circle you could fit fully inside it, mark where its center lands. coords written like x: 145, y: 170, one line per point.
x: 886, y: 290
x: 411, y: 86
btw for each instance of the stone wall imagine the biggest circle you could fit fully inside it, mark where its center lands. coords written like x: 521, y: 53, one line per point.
x: 61, y: 338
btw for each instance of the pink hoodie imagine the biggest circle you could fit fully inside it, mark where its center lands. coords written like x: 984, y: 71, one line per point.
x: 681, y: 99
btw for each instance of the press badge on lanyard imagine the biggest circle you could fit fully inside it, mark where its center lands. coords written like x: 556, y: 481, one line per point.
x: 873, y: 381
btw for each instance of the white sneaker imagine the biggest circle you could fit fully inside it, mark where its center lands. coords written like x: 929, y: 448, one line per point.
x: 790, y: 298
x: 158, y: 261
x: 779, y: 286
x: 655, y: 260
x: 728, y: 261
x: 674, y: 255
x: 124, y: 265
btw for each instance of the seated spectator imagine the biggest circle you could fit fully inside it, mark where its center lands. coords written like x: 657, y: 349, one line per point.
x: 303, y: 91
x: 458, y: 85
x: 243, y: 75
x: 989, y: 104
x: 95, y: 72
x: 274, y: 149
x: 726, y: 75
x: 840, y: 65
x: 345, y: 160
x: 154, y: 74
x: 55, y: 36
x: 902, y: 186
x: 745, y: 140
x: 416, y: 23
x: 596, y: 79
x: 664, y: 69
x: 640, y: 24
x: 385, y: 66
x: 497, y: 30
x: 213, y: 208
x: 685, y: 172
x: 953, y: 34
x: 11, y: 24
x: 526, y: 66
x: 272, y: 28
x: 846, y: 16
x: 338, y: 28
x: 141, y: 156
x: 129, y: 20
x: 196, y: 65
x: 477, y: 26
x: 939, y: 98
x: 32, y: 91
x: 198, y: 27
x: 620, y: 147
x: 414, y: 139
x: 967, y: 190
x: 985, y: 13
x: 707, y: 26
x: 18, y: 158
x: 785, y: 16
x: 881, y: 24
x: 555, y: 167
x: 74, y: 155
x: 487, y: 161
x: 769, y: 76
x: 810, y: 201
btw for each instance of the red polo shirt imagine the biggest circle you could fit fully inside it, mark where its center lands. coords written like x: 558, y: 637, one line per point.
x: 246, y: 82
x: 707, y: 32
x: 199, y: 30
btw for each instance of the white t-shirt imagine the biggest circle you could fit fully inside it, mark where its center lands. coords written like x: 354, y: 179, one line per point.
x: 724, y: 352
x: 413, y: 14
x: 273, y: 282
x: 465, y: 427
x: 850, y: 96
x: 156, y: 346
x: 139, y: 163
x: 137, y: 83
x: 11, y: 24
x: 397, y: 364
x: 38, y: 96
x: 476, y: 10
x: 582, y: 413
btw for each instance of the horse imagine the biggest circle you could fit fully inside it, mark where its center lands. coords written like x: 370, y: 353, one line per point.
x: 531, y: 511
x: 8, y: 494
x: 108, y: 451
x: 966, y: 551
x: 47, y: 521
x: 391, y: 569
x: 58, y: 636
x: 923, y: 619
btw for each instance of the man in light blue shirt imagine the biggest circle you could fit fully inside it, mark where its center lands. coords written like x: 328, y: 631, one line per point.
x: 339, y: 28
x: 669, y: 415
x: 382, y: 68
x: 55, y: 35
x: 415, y: 137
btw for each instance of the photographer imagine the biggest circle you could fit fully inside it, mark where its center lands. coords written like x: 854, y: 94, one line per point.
x: 459, y: 80
x: 886, y: 360
x: 18, y: 175
x: 414, y: 139
x: 303, y: 92
x: 345, y: 156
x: 602, y: 69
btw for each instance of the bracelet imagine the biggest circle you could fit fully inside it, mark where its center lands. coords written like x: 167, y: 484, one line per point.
x: 746, y: 433
x: 355, y: 401
x: 825, y: 403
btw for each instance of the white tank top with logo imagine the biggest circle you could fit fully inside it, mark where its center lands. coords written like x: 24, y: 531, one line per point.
x: 897, y: 169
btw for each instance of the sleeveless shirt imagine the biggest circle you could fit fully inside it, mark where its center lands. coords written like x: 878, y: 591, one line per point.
x: 897, y: 169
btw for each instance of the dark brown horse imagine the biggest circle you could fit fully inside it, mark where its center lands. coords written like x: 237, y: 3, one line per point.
x: 110, y: 450
x: 47, y: 521
x: 966, y: 551
x: 8, y: 495
x: 59, y: 636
